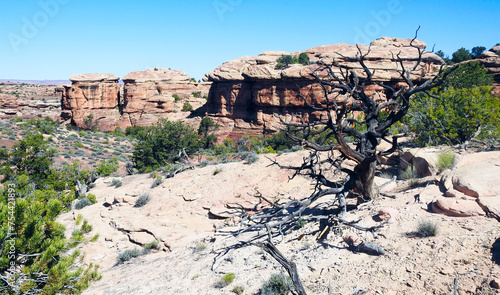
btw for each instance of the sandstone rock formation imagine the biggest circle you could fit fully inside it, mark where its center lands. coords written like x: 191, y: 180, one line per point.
x: 93, y: 97
x: 491, y: 61
x: 250, y: 91
x: 147, y: 96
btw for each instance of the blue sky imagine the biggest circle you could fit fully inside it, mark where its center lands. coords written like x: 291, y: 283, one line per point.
x: 54, y: 39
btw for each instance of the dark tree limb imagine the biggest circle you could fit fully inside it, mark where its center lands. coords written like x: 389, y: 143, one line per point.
x: 290, y: 266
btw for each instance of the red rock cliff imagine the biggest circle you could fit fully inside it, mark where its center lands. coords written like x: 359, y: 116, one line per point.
x: 248, y: 92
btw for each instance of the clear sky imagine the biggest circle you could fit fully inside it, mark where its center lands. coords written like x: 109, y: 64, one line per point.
x: 54, y: 39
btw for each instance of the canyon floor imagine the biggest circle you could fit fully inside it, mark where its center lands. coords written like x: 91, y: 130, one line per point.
x: 186, y: 214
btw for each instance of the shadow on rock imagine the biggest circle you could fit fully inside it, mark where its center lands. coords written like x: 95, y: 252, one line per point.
x: 495, y: 251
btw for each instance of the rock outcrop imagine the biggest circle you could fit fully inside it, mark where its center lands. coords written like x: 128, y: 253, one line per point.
x: 147, y: 96
x: 250, y: 91
x: 491, y: 61
x: 93, y: 99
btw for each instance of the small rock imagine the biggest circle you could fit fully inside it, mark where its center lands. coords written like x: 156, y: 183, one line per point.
x: 223, y: 212
x: 141, y: 238
x: 352, y: 239
x: 385, y: 213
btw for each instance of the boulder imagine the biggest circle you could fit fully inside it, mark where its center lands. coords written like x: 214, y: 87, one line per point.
x: 141, y: 238
x: 423, y: 161
x: 491, y: 206
x: 457, y: 207
x: 478, y: 174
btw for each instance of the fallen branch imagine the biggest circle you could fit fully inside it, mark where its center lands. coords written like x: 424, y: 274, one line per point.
x: 290, y: 266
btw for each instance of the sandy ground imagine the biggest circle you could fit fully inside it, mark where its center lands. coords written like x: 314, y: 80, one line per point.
x: 178, y: 216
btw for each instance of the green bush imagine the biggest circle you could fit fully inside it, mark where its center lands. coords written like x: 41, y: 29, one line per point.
x: 142, y: 200
x: 455, y: 117
x: 187, y: 107
x: 468, y: 75
x: 45, y: 126
x: 161, y: 143
x: 107, y: 167
x: 158, y: 180
x: 225, y: 280
x: 238, y: 290
x: 196, y: 94
x: 128, y: 254
x: 276, y: 285
x: 89, y: 123
x: 427, y: 229
x: 176, y: 97
x: 446, y: 160
x: 116, y: 183
x: 82, y: 203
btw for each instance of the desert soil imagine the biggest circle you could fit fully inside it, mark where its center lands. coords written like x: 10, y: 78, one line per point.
x: 179, y: 216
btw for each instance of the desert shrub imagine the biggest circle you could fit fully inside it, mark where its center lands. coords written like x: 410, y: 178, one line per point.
x: 187, y: 107
x: 158, y: 180
x: 446, y: 160
x: 196, y: 94
x: 279, y: 141
x: 249, y: 157
x: 89, y: 123
x: 238, y: 290
x: 468, y: 75
x: 217, y: 171
x: 285, y: 61
x: 116, y: 183
x: 82, y: 203
x: 225, y: 280
x: 92, y: 198
x: 301, y: 222
x: 176, y: 97
x: 161, y: 143
x: 128, y: 254
x: 409, y: 173
x: 456, y: 117
x: 107, y: 167
x: 276, y: 285
x: 45, y: 126
x: 142, y: 200
x: 427, y: 229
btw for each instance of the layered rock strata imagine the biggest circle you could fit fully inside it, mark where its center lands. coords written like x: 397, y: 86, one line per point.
x: 147, y: 97
x: 249, y: 92
x: 92, y: 99
x: 491, y: 61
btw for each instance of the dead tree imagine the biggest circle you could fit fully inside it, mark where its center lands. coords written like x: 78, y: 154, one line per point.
x: 349, y: 112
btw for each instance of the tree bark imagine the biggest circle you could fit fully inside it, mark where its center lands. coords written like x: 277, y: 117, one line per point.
x: 365, y: 184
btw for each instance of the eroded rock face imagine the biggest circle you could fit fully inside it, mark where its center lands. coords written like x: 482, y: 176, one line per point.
x: 93, y: 97
x: 147, y: 96
x: 252, y: 90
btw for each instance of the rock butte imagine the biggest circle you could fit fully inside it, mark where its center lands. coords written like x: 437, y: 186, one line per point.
x: 246, y: 95
x: 147, y: 96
